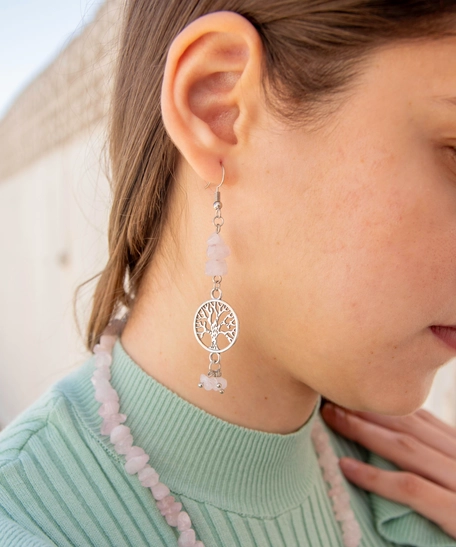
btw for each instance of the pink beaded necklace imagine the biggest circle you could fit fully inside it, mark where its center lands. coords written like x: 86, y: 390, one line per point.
x: 136, y: 460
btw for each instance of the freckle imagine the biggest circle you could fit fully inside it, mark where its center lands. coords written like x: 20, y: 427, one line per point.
x: 265, y: 398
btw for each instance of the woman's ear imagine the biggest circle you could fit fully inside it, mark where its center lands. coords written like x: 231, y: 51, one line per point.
x: 211, y: 89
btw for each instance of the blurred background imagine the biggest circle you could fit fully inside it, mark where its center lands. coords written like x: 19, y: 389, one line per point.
x: 56, y: 65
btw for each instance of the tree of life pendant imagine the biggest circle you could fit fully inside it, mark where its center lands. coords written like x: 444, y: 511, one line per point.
x: 216, y: 328
x: 215, y: 325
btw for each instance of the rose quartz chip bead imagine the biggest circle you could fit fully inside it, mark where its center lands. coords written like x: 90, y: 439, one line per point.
x: 340, y: 498
x: 211, y: 383
x: 136, y: 460
x: 217, y: 251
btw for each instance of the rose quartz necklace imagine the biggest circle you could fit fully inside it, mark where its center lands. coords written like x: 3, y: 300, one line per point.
x: 136, y: 459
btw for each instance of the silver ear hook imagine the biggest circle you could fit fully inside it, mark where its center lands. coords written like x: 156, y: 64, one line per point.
x: 223, y: 178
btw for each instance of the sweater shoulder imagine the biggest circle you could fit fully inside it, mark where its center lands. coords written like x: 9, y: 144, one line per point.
x: 52, y: 409
x: 31, y: 422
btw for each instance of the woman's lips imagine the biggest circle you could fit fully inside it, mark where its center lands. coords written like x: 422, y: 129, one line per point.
x: 447, y: 334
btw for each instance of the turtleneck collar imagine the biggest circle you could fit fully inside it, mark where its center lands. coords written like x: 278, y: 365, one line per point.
x: 204, y: 457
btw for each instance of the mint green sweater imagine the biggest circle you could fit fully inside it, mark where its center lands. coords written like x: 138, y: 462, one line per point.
x: 61, y: 483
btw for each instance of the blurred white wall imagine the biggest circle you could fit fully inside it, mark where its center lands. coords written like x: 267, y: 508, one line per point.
x: 54, y: 205
x: 53, y: 218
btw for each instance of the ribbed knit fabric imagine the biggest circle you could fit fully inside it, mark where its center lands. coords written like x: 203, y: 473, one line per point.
x: 61, y: 483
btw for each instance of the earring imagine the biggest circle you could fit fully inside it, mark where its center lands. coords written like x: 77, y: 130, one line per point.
x: 215, y: 324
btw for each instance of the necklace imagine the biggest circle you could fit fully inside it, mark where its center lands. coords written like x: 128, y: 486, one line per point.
x: 136, y: 460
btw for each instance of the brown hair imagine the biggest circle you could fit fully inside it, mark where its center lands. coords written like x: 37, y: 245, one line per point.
x: 313, y: 50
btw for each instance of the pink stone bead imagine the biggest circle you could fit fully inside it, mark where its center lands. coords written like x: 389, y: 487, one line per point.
x: 159, y: 490
x: 187, y: 538
x: 108, y: 409
x: 101, y: 383
x: 136, y: 464
x: 215, y: 239
x: 174, y: 508
x: 222, y: 382
x: 107, y: 341
x: 123, y: 446
x: 337, y: 480
x: 171, y: 519
x: 183, y: 521
x: 165, y: 502
x: 216, y: 267
x: 119, y: 433
x: 134, y: 452
x: 108, y: 425
x: 339, y: 493
x: 343, y: 513
x: 148, y: 477
x: 199, y: 544
x: 329, y: 474
x: 336, y: 490
x: 343, y: 497
x: 208, y: 383
x: 351, y: 541
x: 328, y: 459
x: 319, y: 445
x: 106, y: 394
x: 349, y: 526
x: 218, y: 252
x: 166, y: 510
x: 103, y: 358
x: 102, y: 372
x: 97, y: 348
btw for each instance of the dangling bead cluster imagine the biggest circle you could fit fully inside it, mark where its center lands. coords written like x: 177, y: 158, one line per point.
x: 120, y: 436
x: 340, y: 498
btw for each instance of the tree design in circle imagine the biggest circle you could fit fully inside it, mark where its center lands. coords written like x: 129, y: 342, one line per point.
x: 215, y: 318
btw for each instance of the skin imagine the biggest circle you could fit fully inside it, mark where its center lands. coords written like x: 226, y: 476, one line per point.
x: 342, y: 235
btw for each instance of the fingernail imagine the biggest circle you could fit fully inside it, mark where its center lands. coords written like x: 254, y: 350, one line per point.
x: 348, y: 464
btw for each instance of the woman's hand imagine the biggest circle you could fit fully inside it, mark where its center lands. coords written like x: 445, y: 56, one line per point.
x: 419, y: 443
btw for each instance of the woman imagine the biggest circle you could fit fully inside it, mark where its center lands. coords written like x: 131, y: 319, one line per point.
x: 329, y: 131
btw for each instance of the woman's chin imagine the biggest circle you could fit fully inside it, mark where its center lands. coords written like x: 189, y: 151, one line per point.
x: 400, y: 402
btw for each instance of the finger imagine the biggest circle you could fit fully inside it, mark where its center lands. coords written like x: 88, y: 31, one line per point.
x: 413, y: 424
x: 429, y: 418
x: 430, y: 500
x: 403, y: 449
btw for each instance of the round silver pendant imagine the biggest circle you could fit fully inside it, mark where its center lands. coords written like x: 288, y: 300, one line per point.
x: 215, y: 326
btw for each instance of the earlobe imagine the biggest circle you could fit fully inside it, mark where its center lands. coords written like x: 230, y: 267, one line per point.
x: 210, y: 88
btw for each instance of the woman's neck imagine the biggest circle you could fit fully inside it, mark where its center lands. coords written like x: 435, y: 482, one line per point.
x: 260, y: 394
